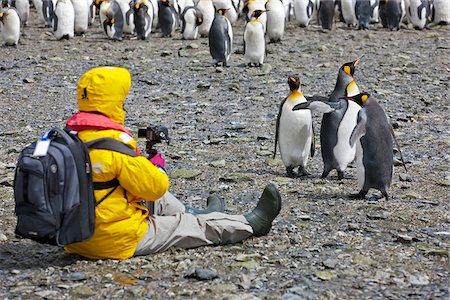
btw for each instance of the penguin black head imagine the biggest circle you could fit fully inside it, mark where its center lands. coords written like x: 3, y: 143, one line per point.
x: 257, y: 13
x: 97, y: 4
x: 1, y: 16
x: 166, y: 3
x: 361, y: 98
x: 294, y: 83
x: 349, y: 68
x: 222, y: 11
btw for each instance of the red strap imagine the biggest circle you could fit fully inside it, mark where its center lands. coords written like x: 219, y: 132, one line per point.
x: 89, y: 121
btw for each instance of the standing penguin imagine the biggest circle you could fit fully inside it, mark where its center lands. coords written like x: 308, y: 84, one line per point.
x: 221, y: 38
x: 22, y: 8
x: 275, y: 20
x: 363, y: 11
x: 191, y: 18
x: 231, y: 11
x: 81, y: 10
x: 126, y: 6
x: 441, y: 12
x: 250, y: 6
x: 294, y: 131
x: 208, y: 12
x: 143, y: 18
x: 391, y: 13
x: 166, y: 17
x: 418, y: 13
x: 254, y: 40
x: 10, y: 21
x: 348, y: 12
x: 338, y: 125
x: 113, y: 20
x: 373, y: 139
x: 303, y: 11
x: 326, y: 13
x: 63, y: 20
x: 47, y: 10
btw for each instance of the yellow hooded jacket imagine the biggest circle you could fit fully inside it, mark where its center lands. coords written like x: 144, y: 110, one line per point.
x: 121, y: 219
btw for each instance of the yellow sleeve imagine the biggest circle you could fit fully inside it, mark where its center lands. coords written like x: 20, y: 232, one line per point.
x: 140, y: 177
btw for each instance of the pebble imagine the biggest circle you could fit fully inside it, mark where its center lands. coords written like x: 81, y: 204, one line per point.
x: 378, y: 215
x: 405, y: 177
x: 3, y: 238
x: 219, y: 69
x: 404, y: 238
x: 330, y: 263
x: 218, y: 163
x: 201, y: 274
x: 353, y: 226
x: 185, y: 173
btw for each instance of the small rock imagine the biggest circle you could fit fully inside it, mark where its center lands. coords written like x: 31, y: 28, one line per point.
x: 378, y: 215
x: 166, y: 53
x: 330, y: 263
x: 304, y: 217
x: 192, y: 46
x: 218, y: 163
x: 234, y: 86
x: 411, y: 195
x: 82, y: 291
x: 28, y: 80
x: 420, y: 279
x: 201, y: 274
x: 353, y: 226
x: 325, y: 275
x: 405, y: 177
x: 445, y: 182
x: 403, y: 238
x: 237, y: 177
x: 3, y: 238
x: 219, y: 69
x: 248, y: 257
x: 264, y: 153
x: 46, y: 294
x: 266, y: 68
x: 76, y: 276
x: 203, y: 85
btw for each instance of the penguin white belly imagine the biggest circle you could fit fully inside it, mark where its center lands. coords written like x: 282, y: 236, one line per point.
x: 375, y: 15
x: 65, y: 18
x: 295, y: 134
x: 275, y: 20
x: 441, y: 11
x: 11, y: 27
x: 230, y: 34
x: 360, y: 170
x: 81, y: 10
x: 343, y: 152
x: 190, y: 29
x: 348, y: 12
x: 128, y: 25
x: 23, y: 10
x: 413, y: 14
x: 255, y: 44
x: 207, y: 9
x: 155, y: 18
x: 303, y: 11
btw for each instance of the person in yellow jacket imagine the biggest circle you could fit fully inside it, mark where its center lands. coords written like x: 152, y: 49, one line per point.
x: 123, y: 225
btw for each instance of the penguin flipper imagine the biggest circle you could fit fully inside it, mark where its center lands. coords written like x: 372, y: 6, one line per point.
x: 55, y: 22
x: 313, y: 140
x: 318, y: 106
x: 128, y: 16
x: 278, y: 127
x: 360, y: 128
x: 317, y: 98
x: 398, y: 146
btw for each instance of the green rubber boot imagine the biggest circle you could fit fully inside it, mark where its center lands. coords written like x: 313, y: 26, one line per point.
x: 213, y: 204
x: 268, y: 207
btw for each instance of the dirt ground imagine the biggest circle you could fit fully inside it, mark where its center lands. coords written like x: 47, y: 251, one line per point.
x: 323, y: 245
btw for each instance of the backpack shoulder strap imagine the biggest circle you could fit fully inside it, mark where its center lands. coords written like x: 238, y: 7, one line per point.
x: 111, y: 144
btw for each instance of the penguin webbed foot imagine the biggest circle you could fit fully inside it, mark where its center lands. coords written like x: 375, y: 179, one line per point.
x: 340, y: 175
x: 359, y: 195
x: 290, y: 172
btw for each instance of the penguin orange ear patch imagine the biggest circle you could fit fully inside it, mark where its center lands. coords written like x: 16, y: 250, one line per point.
x: 364, y: 98
x: 292, y: 79
x: 347, y: 70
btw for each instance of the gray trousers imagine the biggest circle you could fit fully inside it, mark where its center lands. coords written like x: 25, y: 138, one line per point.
x: 172, y: 227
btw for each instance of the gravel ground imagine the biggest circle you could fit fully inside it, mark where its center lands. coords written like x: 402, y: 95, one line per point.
x: 222, y: 121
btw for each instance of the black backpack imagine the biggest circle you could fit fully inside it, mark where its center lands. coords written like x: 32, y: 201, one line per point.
x: 54, y: 191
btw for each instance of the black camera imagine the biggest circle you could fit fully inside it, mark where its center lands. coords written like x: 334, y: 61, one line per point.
x: 153, y: 135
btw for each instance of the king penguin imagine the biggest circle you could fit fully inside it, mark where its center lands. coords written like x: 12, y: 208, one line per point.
x: 22, y: 8
x: 113, y: 22
x: 325, y: 13
x: 166, y: 17
x: 338, y: 125
x: 303, y: 11
x: 10, y: 21
x: 143, y: 18
x: 221, y: 38
x: 391, y: 12
x: 348, y: 12
x: 254, y: 40
x: 191, y: 18
x: 440, y: 13
x: 63, y: 20
x: 294, y: 131
x: 47, y: 10
x: 418, y: 13
x: 363, y: 11
x: 374, y: 157
x: 81, y: 10
x: 208, y: 13
x: 275, y: 20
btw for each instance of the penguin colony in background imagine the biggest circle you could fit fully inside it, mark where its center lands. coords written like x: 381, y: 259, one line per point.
x: 194, y: 18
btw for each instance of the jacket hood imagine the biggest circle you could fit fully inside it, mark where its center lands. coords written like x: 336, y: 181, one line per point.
x: 104, y: 90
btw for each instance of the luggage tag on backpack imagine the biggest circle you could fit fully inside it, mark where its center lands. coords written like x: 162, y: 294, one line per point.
x: 42, y: 146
